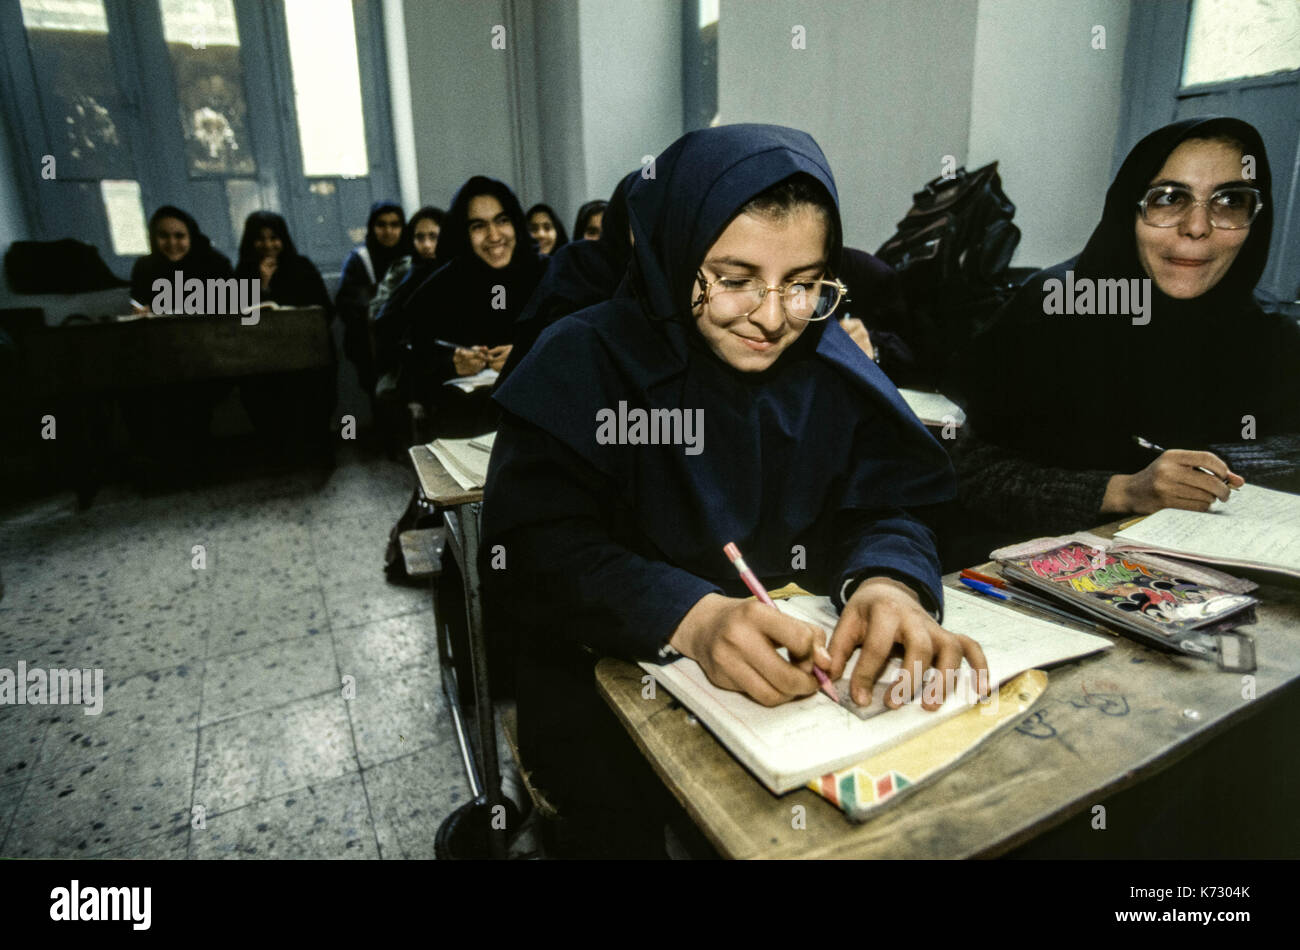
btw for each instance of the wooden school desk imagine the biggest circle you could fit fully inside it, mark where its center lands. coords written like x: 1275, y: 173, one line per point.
x: 460, y: 512
x: 1105, y: 722
x: 80, y: 364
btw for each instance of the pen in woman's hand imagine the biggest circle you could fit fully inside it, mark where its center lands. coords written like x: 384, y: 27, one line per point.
x: 1152, y: 447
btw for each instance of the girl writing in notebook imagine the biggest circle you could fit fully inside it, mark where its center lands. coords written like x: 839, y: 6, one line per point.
x: 1077, y: 419
x: 801, y: 452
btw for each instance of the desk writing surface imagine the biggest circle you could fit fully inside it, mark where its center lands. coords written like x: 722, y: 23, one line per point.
x: 436, y: 482
x: 1104, y: 723
x: 89, y: 358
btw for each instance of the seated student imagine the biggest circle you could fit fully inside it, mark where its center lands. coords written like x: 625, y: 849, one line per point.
x: 178, y: 416
x: 267, y: 254
x: 1193, y: 366
x: 388, y: 308
x: 286, y: 406
x: 472, y: 301
x: 801, y: 452
x: 176, y: 244
x: 587, y: 226
x: 581, y: 274
x: 364, y: 268
x: 545, y: 227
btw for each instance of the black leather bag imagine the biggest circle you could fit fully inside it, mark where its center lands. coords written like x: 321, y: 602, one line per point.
x: 57, y: 267
x: 958, y: 228
x: 951, y: 250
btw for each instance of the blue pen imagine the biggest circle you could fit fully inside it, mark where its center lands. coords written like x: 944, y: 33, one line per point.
x: 988, y: 590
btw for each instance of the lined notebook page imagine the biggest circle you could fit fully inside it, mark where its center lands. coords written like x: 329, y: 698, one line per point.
x: 789, y: 745
x: 1256, y: 527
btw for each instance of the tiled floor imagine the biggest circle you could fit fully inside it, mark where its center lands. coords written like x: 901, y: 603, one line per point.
x: 223, y: 684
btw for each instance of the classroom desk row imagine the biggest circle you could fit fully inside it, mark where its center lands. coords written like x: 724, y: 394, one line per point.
x: 1105, y: 723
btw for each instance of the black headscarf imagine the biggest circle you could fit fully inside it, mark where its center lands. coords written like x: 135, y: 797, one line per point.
x: 381, y: 257
x: 582, y: 273
x: 1112, y: 249
x: 585, y: 214
x: 201, y: 261
x: 459, y: 301
x: 418, y: 261
x: 296, y: 281
x: 561, y: 236
x: 787, y: 451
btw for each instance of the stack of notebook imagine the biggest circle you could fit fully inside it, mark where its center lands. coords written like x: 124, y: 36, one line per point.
x: 466, y: 460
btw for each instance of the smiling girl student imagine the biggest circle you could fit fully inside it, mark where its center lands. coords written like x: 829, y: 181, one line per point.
x: 1058, y: 402
x: 471, y: 302
x: 811, y: 463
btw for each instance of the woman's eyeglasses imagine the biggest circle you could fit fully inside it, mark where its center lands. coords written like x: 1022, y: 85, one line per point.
x: 802, y: 299
x: 1230, y: 209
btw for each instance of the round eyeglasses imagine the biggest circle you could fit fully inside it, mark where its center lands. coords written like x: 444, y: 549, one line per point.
x: 1229, y: 209
x: 802, y: 300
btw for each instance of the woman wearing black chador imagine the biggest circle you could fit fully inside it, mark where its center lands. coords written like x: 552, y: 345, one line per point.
x: 1192, y: 365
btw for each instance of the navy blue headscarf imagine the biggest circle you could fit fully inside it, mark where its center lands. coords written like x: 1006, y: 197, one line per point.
x: 817, y: 451
x: 381, y: 257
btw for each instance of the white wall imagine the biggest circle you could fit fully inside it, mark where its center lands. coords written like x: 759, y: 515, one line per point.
x: 883, y: 86
x: 461, y: 95
x: 583, y: 90
x: 13, y: 221
x: 890, y: 87
x: 1046, y: 105
x: 631, y: 55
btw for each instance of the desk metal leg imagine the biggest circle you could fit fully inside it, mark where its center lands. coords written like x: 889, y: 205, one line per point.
x: 490, y: 767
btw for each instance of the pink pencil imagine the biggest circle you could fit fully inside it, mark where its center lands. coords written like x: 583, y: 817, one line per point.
x: 751, y: 581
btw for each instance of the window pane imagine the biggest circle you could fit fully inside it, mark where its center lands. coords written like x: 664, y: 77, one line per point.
x: 327, y: 87
x: 203, y: 42
x: 1233, y: 39
x: 125, y: 217
x: 85, y: 16
x: 80, y: 104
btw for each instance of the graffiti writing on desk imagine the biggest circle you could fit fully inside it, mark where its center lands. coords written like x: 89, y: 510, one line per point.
x: 1037, y: 726
x: 1110, y: 704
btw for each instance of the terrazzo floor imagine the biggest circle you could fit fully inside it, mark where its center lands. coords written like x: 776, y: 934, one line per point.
x: 222, y: 685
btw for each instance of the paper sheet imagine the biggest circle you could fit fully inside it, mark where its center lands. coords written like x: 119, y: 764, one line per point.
x: 934, y: 408
x: 484, y: 377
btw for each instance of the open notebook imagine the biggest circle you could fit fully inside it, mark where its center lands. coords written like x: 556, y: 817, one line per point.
x: 1256, y: 528
x: 789, y: 745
